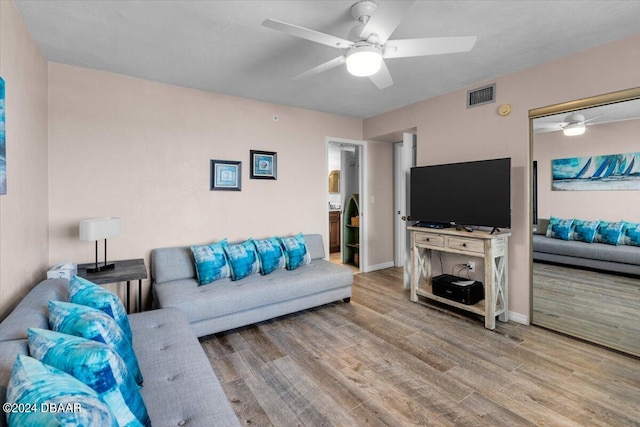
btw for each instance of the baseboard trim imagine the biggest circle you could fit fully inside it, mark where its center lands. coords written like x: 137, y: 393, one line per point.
x: 519, y: 318
x: 381, y: 266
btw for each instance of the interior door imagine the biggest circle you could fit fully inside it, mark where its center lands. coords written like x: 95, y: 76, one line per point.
x: 405, y: 160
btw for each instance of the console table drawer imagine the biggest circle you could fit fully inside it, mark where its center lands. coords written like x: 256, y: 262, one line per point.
x: 424, y: 239
x: 467, y: 245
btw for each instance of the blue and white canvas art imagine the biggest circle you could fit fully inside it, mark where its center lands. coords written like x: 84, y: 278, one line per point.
x: 595, y: 173
x: 3, y: 143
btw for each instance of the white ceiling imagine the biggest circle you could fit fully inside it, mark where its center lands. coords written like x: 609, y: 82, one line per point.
x: 221, y: 46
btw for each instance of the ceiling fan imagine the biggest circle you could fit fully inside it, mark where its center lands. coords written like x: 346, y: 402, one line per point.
x: 365, y: 55
x: 573, y: 124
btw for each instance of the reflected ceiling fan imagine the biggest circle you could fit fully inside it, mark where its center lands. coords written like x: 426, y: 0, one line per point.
x: 365, y: 55
x: 573, y: 124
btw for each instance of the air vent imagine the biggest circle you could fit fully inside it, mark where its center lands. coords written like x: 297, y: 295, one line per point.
x: 481, y: 96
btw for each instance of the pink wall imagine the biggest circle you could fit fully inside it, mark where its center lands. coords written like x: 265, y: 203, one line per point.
x: 24, y: 209
x: 609, y: 138
x: 449, y: 132
x: 379, y: 206
x: 121, y: 146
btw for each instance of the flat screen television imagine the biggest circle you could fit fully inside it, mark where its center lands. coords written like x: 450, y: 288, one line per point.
x: 474, y: 193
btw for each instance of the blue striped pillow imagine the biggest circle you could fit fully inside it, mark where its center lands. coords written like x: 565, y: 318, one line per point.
x: 610, y: 233
x: 631, y: 233
x: 34, y: 383
x: 93, y: 324
x: 243, y: 259
x: 82, y: 291
x: 296, y: 252
x: 271, y: 255
x: 96, y: 365
x: 211, y: 262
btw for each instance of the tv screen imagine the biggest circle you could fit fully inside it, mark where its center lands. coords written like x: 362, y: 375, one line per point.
x: 467, y: 194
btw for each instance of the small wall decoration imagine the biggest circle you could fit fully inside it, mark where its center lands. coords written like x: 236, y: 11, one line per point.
x: 226, y: 175
x: 3, y: 143
x: 264, y: 165
x: 593, y: 173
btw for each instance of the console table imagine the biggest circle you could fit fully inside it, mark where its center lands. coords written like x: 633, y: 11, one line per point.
x: 124, y: 271
x: 493, y: 248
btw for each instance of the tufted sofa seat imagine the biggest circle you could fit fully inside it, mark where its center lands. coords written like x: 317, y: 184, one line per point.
x: 180, y: 388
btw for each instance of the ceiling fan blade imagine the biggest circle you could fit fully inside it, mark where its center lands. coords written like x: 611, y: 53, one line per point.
x: 593, y: 118
x: 545, y: 129
x: 428, y: 46
x: 307, y: 34
x: 382, y: 79
x: 386, y: 19
x: 322, y: 67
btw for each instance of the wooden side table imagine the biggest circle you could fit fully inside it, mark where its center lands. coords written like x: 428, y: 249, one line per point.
x: 124, y: 271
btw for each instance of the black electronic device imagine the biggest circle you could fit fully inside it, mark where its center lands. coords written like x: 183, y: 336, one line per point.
x: 436, y: 225
x: 458, y: 289
x: 474, y: 193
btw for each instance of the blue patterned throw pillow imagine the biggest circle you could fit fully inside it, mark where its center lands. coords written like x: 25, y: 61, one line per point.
x: 96, y: 365
x: 243, y: 259
x: 631, y: 233
x: 76, y: 404
x: 93, y: 324
x: 296, y: 252
x: 211, y: 262
x: 559, y: 228
x: 84, y: 292
x: 270, y: 254
x: 584, y: 231
x: 610, y: 233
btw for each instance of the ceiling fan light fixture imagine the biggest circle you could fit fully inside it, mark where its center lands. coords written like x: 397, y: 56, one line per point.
x: 574, y: 129
x: 364, y: 61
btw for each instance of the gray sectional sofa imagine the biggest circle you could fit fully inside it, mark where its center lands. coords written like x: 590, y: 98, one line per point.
x: 224, y: 305
x: 179, y: 387
x: 600, y: 256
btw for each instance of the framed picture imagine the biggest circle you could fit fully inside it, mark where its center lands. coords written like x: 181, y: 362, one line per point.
x: 264, y: 165
x: 226, y: 175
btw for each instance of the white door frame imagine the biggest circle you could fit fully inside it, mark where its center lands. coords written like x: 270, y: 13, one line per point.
x: 364, y: 192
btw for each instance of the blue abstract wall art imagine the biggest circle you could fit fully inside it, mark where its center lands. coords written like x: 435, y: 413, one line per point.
x: 3, y: 143
x: 594, y: 173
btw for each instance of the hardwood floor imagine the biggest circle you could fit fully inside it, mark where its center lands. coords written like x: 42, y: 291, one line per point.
x: 602, y: 308
x: 385, y: 361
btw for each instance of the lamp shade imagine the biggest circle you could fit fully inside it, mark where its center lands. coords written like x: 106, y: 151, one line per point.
x: 363, y: 61
x: 574, y: 129
x: 99, y: 228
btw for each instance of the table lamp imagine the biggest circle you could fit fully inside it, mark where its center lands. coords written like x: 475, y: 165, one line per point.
x: 97, y: 229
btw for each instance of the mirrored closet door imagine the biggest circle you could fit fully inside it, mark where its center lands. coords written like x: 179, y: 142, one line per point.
x: 585, y: 196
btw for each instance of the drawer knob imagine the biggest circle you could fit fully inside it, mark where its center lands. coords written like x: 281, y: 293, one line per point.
x: 427, y: 239
x: 464, y: 245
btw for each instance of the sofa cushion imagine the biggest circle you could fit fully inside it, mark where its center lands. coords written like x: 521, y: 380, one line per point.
x: 211, y: 262
x: 270, y: 254
x: 610, y: 233
x: 631, y: 234
x: 9, y: 351
x: 243, y: 259
x: 296, y: 252
x: 35, y: 383
x: 93, y: 324
x: 96, y: 365
x: 84, y: 292
x: 559, y: 228
x: 584, y: 231
x: 33, y: 310
x: 169, y: 264
x: 206, y: 302
x: 175, y: 365
x: 597, y: 251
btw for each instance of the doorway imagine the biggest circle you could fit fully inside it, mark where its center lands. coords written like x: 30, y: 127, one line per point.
x: 346, y: 188
x: 404, y: 158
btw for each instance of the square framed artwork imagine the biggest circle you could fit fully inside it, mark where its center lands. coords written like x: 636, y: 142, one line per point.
x: 226, y: 175
x: 264, y: 165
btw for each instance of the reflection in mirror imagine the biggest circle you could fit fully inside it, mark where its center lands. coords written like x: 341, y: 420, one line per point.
x: 586, y: 227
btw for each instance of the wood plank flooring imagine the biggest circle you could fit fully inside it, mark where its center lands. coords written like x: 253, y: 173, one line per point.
x: 385, y: 361
x: 602, y: 308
